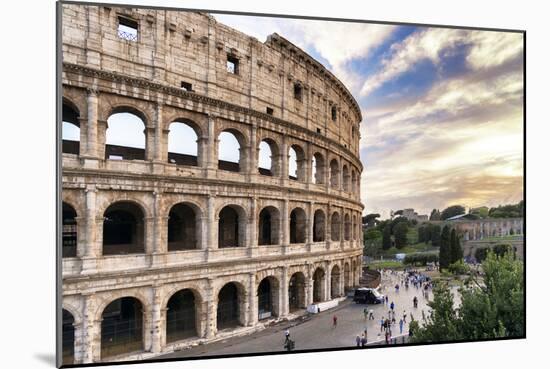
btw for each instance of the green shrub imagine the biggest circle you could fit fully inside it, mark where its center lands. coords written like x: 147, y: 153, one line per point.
x: 420, y: 259
x: 458, y: 267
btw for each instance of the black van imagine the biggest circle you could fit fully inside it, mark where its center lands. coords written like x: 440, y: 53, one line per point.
x: 367, y: 296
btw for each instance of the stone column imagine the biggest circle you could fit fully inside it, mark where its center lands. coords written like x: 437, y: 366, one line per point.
x: 252, y: 300
x: 328, y: 285
x: 211, y: 324
x: 286, y: 223
x: 253, y: 154
x: 212, y: 148
x: 253, y: 228
x: 284, y: 162
x: 309, y: 225
x: 149, y: 224
x: 156, y: 322
x: 91, y: 128
x: 309, y: 285
x: 91, y: 349
x: 91, y: 245
x: 309, y: 165
x: 212, y: 234
x: 328, y: 226
x: 283, y: 306
x: 158, y: 132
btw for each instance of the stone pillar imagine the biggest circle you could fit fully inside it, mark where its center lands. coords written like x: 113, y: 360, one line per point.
x: 309, y: 285
x: 253, y: 227
x: 309, y: 222
x: 341, y: 287
x: 156, y: 321
x: 211, y: 299
x: 212, y: 233
x: 149, y: 224
x: 91, y: 128
x: 328, y: 226
x: 309, y: 165
x: 328, y: 277
x: 253, y: 154
x: 91, y: 239
x: 286, y: 223
x: 284, y: 162
x: 158, y: 135
x: 283, y: 305
x: 252, y: 300
x: 91, y: 350
x: 212, y: 148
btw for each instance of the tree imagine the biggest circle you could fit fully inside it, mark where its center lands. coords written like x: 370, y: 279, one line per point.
x: 386, y: 238
x: 481, y: 254
x: 445, y: 249
x: 398, y: 212
x: 452, y: 211
x: 435, y: 215
x: 501, y: 249
x: 370, y: 219
x: 481, y: 212
x: 400, y: 234
x: 435, y: 235
x: 491, y: 309
x: 456, y: 250
x: 421, y: 234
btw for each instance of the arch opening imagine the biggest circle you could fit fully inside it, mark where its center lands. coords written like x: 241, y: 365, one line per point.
x: 347, y: 227
x: 122, y: 327
x: 70, y: 129
x: 268, y: 226
x: 125, y: 136
x: 335, y: 282
x: 298, y: 226
x: 319, y: 226
x: 318, y: 169
x: 334, y: 174
x: 183, y: 144
x: 123, y: 229
x: 296, y: 163
x: 181, y: 317
x: 297, y: 292
x: 230, y: 152
x: 69, y: 231
x: 268, y: 298
x: 231, y: 227
x: 182, y: 228
x: 67, y: 338
x: 268, y: 155
x: 346, y: 178
x: 229, y: 310
x: 318, y: 285
x: 335, y: 227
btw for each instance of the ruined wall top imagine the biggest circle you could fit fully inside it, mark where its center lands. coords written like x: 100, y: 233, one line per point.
x: 191, y: 50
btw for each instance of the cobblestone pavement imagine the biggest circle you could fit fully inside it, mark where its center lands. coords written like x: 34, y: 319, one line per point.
x: 318, y: 332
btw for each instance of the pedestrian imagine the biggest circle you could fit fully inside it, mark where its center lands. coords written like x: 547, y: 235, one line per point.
x: 393, y: 316
x: 334, y: 321
x: 415, y: 302
x: 389, y: 314
x: 401, y: 326
x: 392, y: 305
x: 358, y: 340
x: 365, y: 313
x: 371, y: 314
x: 287, y: 335
x: 363, y: 341
x: 386, y: 299
x: 404, y: 316
x: 381, y: 324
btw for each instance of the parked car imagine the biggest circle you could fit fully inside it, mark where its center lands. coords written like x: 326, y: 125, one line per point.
x: 367, y: 296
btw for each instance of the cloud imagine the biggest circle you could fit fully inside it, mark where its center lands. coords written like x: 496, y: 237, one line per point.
x: 486, y: 49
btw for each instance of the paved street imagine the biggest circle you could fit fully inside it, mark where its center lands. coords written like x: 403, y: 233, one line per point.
x: 318, y: 333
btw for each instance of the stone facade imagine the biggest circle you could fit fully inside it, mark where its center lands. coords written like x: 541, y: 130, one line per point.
x: 314, y: 250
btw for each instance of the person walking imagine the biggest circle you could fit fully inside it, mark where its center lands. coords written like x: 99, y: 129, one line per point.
x: 381, y: 324
x: 392, y: 305
x: 363, y: 341
x: 371, y: 314
x: 357, y: 340
x: 334, y: 321
x: 393, y: 316
x: 386, y: 299
x: 401, y: 326
x: 404, y: 316
x: 365, y: 313
x: 287, y: 335
x: 415, y: 302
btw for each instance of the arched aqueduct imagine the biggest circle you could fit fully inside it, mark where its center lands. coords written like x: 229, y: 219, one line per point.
x: 163, y: 249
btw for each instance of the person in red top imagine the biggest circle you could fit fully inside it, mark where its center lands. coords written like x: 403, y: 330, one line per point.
x: 334, y: 321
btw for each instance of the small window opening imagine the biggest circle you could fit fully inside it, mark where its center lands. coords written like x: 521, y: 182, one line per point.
x: 186, y: 86
x: 333, y: 113
x: 127, y: 29
x: 232, y: 64
x: 269, y: 111
x: 298, y: 92
x: 318, y: 130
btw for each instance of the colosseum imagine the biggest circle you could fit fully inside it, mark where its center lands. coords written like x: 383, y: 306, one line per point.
x: 162, y: 248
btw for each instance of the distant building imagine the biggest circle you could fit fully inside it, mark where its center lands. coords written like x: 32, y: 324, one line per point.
x: 410, y: 214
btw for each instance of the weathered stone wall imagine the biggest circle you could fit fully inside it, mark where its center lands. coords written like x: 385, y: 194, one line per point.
x: 103, y: 74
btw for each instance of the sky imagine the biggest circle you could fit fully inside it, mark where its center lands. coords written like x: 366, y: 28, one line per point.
x: 442, y: 109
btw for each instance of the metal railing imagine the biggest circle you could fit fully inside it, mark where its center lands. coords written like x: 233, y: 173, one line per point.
x: 127, y: 35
